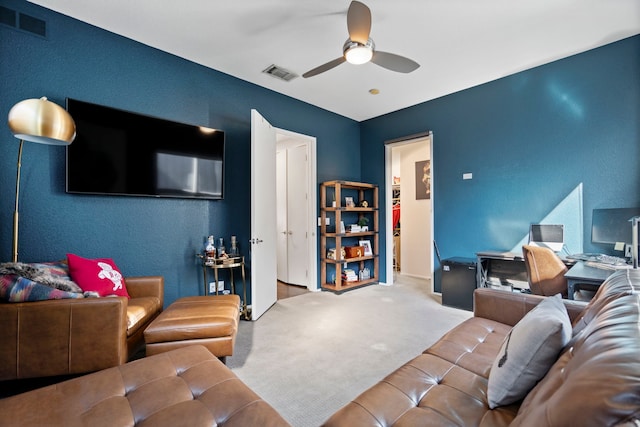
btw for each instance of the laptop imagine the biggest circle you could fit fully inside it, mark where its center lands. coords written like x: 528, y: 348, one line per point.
x: 547, y: 235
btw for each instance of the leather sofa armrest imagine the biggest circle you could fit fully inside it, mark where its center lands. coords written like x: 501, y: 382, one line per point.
x: 509, y: 307
x: 62, y: 337
x: 146, y: 286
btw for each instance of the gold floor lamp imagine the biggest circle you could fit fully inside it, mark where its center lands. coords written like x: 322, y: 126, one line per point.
x: 41, y: 121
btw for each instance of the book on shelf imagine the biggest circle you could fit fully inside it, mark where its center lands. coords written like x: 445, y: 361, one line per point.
x: 349, y: 275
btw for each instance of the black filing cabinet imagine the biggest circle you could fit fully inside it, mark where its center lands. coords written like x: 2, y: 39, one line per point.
x: 458, y: 282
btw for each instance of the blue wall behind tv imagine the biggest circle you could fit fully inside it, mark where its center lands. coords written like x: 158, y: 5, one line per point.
x: 529, y: 139
x: 532, y: 140
x: 143, y: 235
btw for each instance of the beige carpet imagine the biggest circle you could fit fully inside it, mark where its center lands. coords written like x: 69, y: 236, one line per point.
x: 311, y: 354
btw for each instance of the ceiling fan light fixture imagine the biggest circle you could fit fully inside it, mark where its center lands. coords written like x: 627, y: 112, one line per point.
x: 358, y: 53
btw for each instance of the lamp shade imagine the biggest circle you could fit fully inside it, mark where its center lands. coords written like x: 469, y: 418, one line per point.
x: 41, y: 121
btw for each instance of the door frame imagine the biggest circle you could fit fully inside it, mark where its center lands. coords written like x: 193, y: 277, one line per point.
x: 312, y: 201
x: 388, y: 203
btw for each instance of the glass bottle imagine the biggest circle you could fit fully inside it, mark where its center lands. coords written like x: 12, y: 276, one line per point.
x: 234, y: 251
x: 221, y: 249
x: 210, y: 249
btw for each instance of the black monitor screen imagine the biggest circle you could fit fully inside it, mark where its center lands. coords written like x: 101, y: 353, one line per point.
x: 610, y: 226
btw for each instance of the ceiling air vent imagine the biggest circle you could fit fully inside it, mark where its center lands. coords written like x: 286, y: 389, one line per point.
x: 279, y: 73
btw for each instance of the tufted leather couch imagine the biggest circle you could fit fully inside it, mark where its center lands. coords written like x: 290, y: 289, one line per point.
x: 76, y: 336
x: 184, y: 387
x: 594, y: 382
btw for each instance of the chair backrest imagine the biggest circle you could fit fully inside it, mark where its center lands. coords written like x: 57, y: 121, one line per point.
x: 545, y: 271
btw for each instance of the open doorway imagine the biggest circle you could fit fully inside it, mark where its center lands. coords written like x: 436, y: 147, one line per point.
x: 296, y: 201
x: 409, y: 203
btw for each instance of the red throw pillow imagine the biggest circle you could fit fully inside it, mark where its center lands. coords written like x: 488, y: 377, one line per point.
x: 97, y: 275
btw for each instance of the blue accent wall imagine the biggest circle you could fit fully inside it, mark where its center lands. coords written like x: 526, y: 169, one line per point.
x: 144, y: 236
x: 530, y: 140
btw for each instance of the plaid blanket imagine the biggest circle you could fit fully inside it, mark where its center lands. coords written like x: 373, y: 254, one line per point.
x: 21, y: 282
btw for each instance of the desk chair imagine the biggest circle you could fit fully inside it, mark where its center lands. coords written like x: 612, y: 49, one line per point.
x: 545, y: 271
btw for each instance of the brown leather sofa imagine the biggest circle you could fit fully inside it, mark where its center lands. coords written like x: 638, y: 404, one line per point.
x: 594, y: 382
x: 184, y: 387
x: 76, y: 336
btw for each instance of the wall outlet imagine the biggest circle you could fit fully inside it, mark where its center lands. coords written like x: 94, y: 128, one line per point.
x: 212, y: 286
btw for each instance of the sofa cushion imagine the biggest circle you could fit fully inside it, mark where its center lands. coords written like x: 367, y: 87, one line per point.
x: 530, y: 349
x: 426, y: 391
x: 472, y: 345
x: 139, y: 311
x: 101, y: 276
x: 596, y: 381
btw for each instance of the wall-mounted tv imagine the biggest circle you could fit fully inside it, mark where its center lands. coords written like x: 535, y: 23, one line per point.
x: 117, y: 152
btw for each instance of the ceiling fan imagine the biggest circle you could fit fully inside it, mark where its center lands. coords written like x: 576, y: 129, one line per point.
x: 360, y: 49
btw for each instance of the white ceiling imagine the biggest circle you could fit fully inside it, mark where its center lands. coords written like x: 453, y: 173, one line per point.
x: 458, y: 43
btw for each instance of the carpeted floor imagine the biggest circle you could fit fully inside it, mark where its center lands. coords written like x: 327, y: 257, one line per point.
x: 311, y: 354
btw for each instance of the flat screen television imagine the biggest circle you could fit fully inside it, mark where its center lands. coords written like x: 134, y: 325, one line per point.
x: 122, y: 153
x: 611, y: 226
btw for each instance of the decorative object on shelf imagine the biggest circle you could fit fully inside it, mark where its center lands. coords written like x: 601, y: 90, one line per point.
x: 423, y: 180
x: 366, y: 244
x: 354, y: 228
x: 364, y: 274
x: 363, y: 222
x: 342, y: 228
x: 364, y: 204
x: 331, y: 254
x: 41, y: 121
x: 349, y: 203
x: 354, y: 251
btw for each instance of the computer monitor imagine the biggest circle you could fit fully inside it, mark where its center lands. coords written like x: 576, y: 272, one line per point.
x: 611, y: 226
x: 547, y: 235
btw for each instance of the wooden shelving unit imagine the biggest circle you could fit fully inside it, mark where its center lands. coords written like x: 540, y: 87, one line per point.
x: 331, y: 236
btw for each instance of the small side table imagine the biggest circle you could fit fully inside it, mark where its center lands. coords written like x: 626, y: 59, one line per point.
x: 227, y: 263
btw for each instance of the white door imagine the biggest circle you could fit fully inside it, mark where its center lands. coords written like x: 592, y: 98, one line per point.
x: 282, y: 215
x: 298, y: 218
x: 264, y: 291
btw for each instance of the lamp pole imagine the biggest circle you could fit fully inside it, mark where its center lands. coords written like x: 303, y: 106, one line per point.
x: 15, y: 212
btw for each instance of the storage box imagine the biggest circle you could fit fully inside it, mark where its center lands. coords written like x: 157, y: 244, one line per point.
x: 354, y: 251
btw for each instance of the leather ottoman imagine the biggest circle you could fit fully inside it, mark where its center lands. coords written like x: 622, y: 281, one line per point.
x: 211, y: 321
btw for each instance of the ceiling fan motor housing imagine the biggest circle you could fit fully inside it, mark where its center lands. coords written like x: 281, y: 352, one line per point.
x: 358, y: 53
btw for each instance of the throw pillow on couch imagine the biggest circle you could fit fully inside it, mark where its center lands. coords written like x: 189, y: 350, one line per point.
x: 100, y: 276
x: 528, y: 352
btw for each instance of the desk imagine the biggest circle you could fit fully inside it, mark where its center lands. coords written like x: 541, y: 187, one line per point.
x: 581, y: 273
x: 501, y: 270
x: 504, y: 270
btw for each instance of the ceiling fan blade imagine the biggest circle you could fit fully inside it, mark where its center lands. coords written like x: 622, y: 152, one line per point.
x: 324, y: 67
x: 359, y: 22
x: 394, y: 62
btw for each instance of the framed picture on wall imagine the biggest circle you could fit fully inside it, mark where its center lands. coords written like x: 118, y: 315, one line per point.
x: 367, y: 247
x: 423, y: 179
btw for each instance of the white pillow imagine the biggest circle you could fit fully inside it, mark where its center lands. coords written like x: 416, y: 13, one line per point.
x: 528, y: 352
